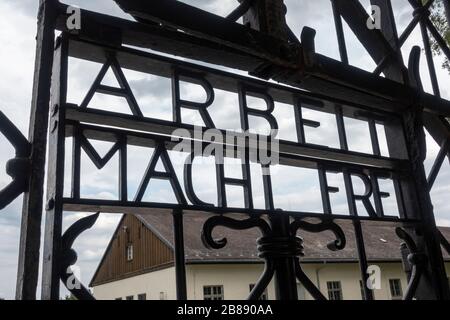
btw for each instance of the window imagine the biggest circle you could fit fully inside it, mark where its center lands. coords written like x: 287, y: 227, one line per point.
x: 263, y: 296
x: 213, y: 293
x: 142, y: 296
x: 130, y: 252
x: 129, y: 298
x: 395, y: 286
x: 334, y: 290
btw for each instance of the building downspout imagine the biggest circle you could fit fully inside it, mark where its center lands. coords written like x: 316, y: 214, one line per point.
x: 324, y: 265
x: 195, y: 283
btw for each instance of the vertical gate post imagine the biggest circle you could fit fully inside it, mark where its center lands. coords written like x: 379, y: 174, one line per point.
x: 30, y: 233
x: 433, y: 284
x: 269, y: 16
x: 180, y: 263
x: 285, y: 278
x: 55, y: 176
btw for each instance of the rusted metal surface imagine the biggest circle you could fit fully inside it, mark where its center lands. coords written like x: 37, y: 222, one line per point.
x: 30, y: 234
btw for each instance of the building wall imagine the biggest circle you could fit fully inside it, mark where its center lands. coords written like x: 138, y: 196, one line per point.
x: 349, y: 276
x: 152, y: 284
x: 149, y: 252
x: 236, y: 278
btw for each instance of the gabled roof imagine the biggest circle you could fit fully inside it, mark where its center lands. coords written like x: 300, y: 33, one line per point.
x: 381, y: 242
x: 151, y: 252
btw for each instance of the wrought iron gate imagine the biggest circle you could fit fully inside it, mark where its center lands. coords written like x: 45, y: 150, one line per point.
x: 266, y: 48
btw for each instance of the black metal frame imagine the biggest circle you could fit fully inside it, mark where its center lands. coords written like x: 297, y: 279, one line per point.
x: 268, y: 50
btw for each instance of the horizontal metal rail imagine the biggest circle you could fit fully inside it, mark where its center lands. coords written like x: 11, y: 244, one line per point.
x: 288, y: 150
x: 325, y: 74
x: 138, y: 60
x: 131, y: 207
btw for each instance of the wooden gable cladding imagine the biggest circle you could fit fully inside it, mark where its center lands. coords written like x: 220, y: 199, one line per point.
x: 149, y: 252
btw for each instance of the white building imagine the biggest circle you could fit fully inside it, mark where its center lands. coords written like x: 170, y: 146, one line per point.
x: 138, y: 263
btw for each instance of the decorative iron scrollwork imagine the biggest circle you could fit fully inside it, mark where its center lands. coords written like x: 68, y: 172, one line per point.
x: 336, y: 245
x: 18, y: 167
x: 69, y: 257
x: 217, y: 221
x: 272, y: 246
x: 416, y: 259
x: 324, y: 225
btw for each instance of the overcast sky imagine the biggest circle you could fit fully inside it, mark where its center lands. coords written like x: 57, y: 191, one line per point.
x: 17, y: 34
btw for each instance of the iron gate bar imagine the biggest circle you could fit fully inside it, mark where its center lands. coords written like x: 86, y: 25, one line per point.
x: 55, y: 176
x: 437, y: 127
x: 427, y: 236
x: 373, y: 40
x: 350, y: 12
x: 286, y: 147
x: 209, y: 26
x: 152, y: 140
x: 414, y: 127
x: 389, y: 31
x: 17, y: 168
x: 360, y: 246
x: 30, y: 230
x: 417, y: 259
x: 340, y: 32
x: 427, y: 48
x: 327, y: 75
x: 243, y: 7
x: 131, y: 207
x: 76, y: 165
x: 139, y: 60
x: 180, y: 263
x: 414, y: 22
x: 98, y: 28
x: 437, y: 165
